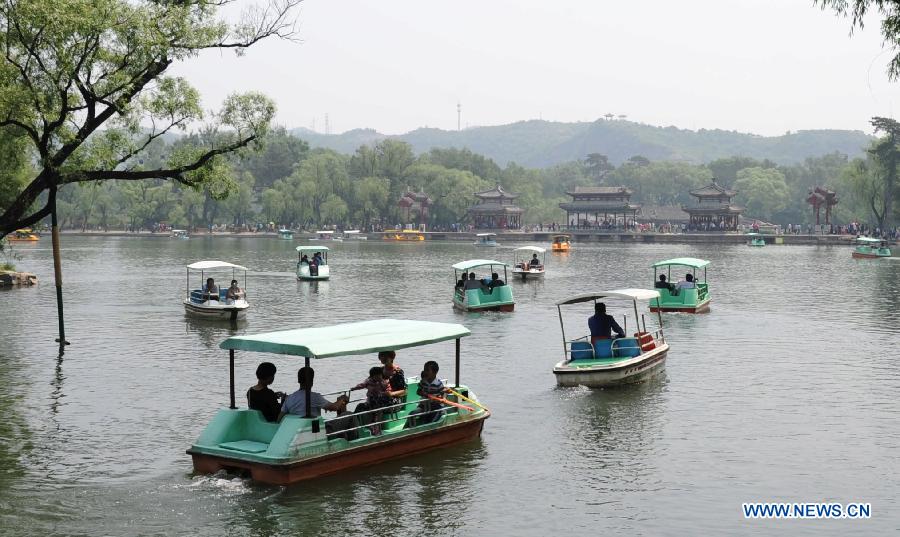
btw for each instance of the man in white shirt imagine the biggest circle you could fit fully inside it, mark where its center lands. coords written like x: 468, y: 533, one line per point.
x: 296, y: 402
x: 687, y: 283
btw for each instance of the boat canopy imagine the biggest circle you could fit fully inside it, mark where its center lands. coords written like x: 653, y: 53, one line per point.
x: 868, y: 239
x: 349, y: 338
x: 312, y: 248
x: 566, y: 237
x: 179, y: 231
x: 474, y: 263
x: 683, y: 261
x: 325, y: 232
x: 485, y: 234
x: 351, y: 232
x: 206, y: 265
x: 630, y: 294
x: 753, y: 234
x: 537, y: 249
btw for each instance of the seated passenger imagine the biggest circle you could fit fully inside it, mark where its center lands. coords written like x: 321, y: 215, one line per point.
x: 261, y: 397
x: 602, y: 325
x: 461, y: 282
x: 472, y: 283
x: 535, y: 262
x: 688, y: 282
x: 377, y: 390
x: 663, y: 284
x: 394, y: 374
x: 304, y: 259
x: 296, y: 402
x: 496, y: 281
x: 210, y: 290
x: 428, y: 410
x: 234, y: 293
x: 317, y: 258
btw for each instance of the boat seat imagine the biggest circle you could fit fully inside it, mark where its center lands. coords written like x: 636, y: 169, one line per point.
x: 603, y: 348
x: 247, y: 446
x: 582, y: 350
x: 628, y: 346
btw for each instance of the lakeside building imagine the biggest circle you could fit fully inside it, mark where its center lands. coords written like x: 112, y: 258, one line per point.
x: 496, y: 209
x: 714, y: 209
x: 608, y: 201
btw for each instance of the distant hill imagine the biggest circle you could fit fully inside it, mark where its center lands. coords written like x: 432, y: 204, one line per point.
x: 545, y: 143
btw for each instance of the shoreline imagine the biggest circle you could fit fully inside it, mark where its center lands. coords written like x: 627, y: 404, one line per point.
x: 583, y: 236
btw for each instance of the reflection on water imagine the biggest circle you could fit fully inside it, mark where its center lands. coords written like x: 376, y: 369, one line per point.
x: 785, y: 391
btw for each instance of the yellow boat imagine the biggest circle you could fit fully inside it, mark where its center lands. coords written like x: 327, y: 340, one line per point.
x: 561, y: 243
x: 402, y: 235
x: 23, y: 235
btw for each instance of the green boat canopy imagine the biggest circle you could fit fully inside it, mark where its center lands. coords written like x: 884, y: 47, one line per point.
x: 473, y: 263
x: 692, y: 262
x: 312, y: 248
x: 348, y: 338
x: 629, y: 294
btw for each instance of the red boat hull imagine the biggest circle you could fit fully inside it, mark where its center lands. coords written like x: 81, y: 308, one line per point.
x: 332, y: 463
x: 857, y: 255
x: 703, y: 308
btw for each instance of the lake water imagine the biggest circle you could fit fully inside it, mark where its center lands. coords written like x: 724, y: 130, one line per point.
x: 786, y: 391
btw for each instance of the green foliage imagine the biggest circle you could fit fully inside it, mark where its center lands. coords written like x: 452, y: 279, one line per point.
x: 762, y: 191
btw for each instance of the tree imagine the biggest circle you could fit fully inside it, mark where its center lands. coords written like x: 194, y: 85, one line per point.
x: 598, y: 166
x: 887, y: 153
x: 725, y: 170
x: 763, y: 191
x: 858, y: 10
x: 84, y: 82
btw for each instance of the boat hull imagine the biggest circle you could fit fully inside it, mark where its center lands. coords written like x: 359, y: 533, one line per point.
x: 703, y: 307
x: 528, y: 274
x: 857, y: 255
x: 627, y: 371
x: 304, y: 275
x: 216, y: 312
x: 339, y: 461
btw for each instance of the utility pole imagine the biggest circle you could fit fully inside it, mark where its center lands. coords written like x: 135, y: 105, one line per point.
x: 458, y: 116
x: 327, y: 128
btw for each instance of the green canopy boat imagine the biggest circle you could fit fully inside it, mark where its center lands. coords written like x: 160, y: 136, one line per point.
x: 869, y: 248
x: 688, y: 296
x: 756, y: 239
x: 305, y: 447
x: 307, y: 269
x: 481, y: 294
x: 599, y: 362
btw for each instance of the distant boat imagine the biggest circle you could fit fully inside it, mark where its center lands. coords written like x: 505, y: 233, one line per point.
x: 486, y: 239
x: 561, y: 243
x: 687, y: 300
x: 216, y: 306
x: 180, y: 234
x: 756, y: 240
x: 402, y: 235
x: 524, y: 268
x: 23, y: 235
x: 286, y: 234
x: 481, y: 297
x: 354, y: 235
x: 869, y: 248
x: 309, y: 270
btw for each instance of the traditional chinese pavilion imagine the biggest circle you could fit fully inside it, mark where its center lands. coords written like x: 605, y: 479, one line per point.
x: 822, y: 197
x: 609, y: 201
x: 714, y: 209
x: 496, y: 209
x: 416, y: 205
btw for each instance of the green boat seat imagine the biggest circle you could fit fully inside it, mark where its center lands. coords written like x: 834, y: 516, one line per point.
x: 582, y: 350
x: 603, y: 348
x: 247, y: 446
x: 626, y: 347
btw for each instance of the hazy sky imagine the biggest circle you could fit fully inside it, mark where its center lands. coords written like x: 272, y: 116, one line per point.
x: 762, y: 66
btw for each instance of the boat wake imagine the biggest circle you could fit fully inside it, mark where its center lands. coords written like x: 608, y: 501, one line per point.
x: 222, y: 482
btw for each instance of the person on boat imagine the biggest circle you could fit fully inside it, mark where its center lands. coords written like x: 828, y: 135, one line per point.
x: 304, y: 259
x: 377, y: 388
x: 462, y: 281
x: 234, y: 293
x: 535, y: 262
x: 296, y: 402
x: 496, y: 281
x: 394, y: 374
x: 602, y: 325
x: 688, y: 282
x: 472, y: 283
x: 210, y: 291
x: 428, y: 410
x: 261, y: 397
x: 317, y: 258
x: 663, y: 284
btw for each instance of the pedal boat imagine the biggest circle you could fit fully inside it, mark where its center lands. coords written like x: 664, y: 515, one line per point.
x: 561, y: 243
x: 23, y: 235
x: 180, y: 234
x: 286, y: 234
x: 309, y: 273
x: 611, y: 362
x: 686, y: 300
x: 522, y: 267
x: 298, y: 448
x: 198, y: 304
x: 402, y: 235
x: 482, y: 299
x: 486, y: 239
x: 354, y: 235
x: 869, y: 248
x: 756, y: 240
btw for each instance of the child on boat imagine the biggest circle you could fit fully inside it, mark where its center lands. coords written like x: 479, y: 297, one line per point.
x: 377, y: 394
x: 428, y: 410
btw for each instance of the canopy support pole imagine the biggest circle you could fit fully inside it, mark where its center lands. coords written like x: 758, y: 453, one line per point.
x: 562, y: 329
x: 308, y: 390
x: 457, y: 362
x: 231, y: 376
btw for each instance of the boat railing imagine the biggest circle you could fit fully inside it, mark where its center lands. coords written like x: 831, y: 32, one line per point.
x: 388, y: 413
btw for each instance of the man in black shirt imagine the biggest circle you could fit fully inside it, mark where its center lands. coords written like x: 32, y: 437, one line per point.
x: 261, y: 397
